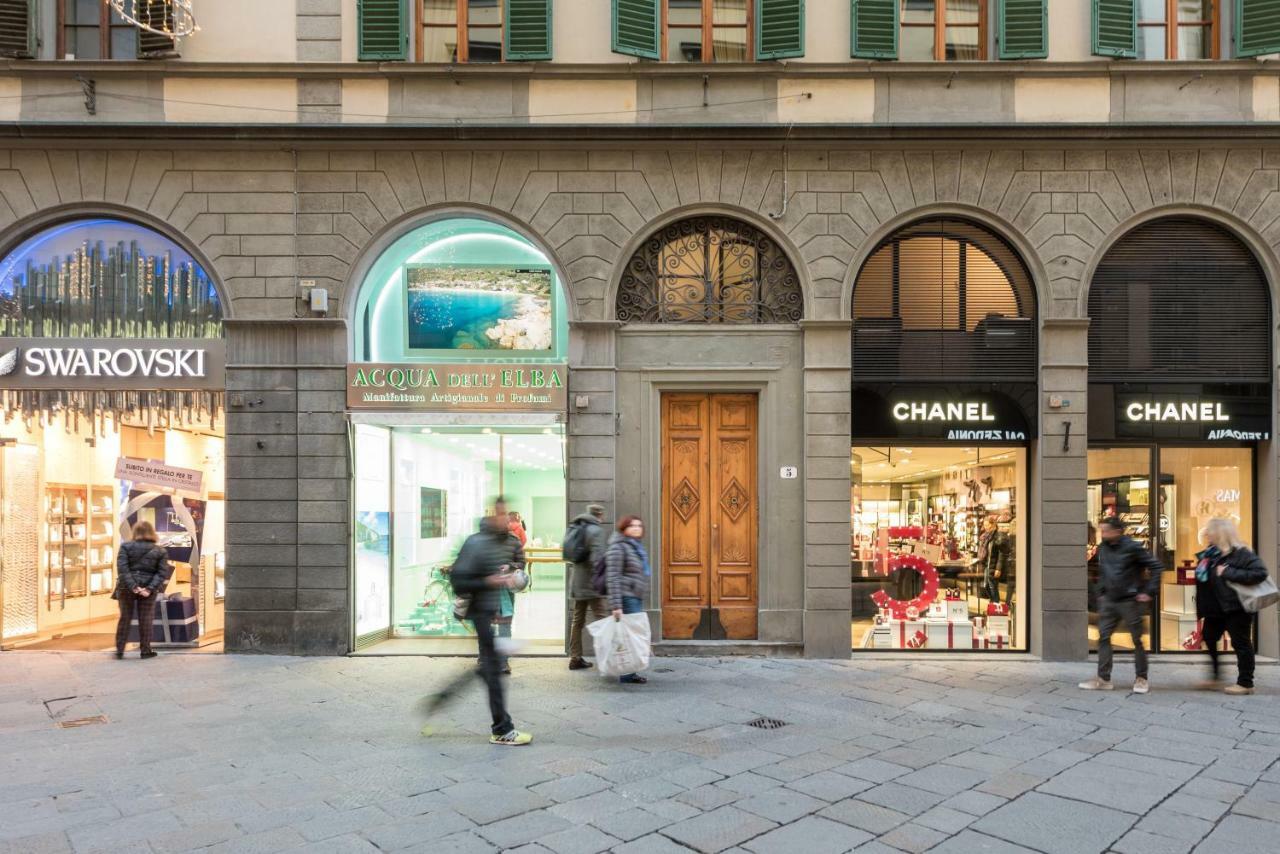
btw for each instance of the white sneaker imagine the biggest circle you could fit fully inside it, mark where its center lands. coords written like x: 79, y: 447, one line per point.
x: 1140, y: 686
x: 1096, y: 684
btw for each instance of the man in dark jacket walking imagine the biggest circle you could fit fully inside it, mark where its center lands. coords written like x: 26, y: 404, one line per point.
x: 1128, y: 579
x: 484, y: 567
x: 581, y: 591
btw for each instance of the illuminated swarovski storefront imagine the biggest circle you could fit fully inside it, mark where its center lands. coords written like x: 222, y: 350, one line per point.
x: 111, y: 378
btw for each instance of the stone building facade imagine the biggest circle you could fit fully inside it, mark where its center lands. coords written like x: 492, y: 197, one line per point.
x: 828, y: 159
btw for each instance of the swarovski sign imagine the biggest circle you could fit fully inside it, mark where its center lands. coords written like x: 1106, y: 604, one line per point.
x: 112, y: 363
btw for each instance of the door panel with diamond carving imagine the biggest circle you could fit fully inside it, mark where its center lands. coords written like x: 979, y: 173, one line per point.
x: 709, y: 523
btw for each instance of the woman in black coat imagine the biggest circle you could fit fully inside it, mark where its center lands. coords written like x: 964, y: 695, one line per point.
x: 142, y: 568
x: 1226, y: 558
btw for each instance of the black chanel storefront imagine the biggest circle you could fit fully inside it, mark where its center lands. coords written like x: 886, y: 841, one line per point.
x: 1179, y: 402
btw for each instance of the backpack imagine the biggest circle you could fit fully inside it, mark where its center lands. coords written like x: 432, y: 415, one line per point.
x: 576, y: 547
x: 600, y: 576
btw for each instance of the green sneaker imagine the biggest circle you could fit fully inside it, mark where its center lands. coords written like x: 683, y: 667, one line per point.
x: 515, y: 738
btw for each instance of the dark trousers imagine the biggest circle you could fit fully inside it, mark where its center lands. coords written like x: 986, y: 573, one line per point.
x: 146, y: 608
x: 1238, y: 625
x: 579, y: 622
x: 489, y: 667
x: 1110, y: 614
x: 992, y: 587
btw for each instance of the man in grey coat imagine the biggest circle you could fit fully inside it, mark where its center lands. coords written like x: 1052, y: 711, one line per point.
x: 581, y: 591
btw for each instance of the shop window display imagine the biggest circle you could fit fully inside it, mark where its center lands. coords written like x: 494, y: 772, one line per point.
x: 421, y: 491
x: 1193, y: 485
x: 65, y: 515
x: 938, y: 547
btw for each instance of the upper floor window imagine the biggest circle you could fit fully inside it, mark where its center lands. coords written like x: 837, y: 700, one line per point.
x: 943, y: 30
x: 707, y: 31
x: 1177, y: 29
x: 461, y: 31
x: 92, y: 29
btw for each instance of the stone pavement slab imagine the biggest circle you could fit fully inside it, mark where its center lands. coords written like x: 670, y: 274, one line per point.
x: 263, y: 754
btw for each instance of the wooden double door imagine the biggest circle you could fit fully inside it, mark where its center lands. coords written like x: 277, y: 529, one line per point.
x: 710, y: 516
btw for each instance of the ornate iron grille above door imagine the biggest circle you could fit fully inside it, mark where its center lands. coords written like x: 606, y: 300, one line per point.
x: 710, y: 269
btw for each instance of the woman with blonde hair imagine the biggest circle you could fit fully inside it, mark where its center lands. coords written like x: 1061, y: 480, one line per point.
x: 142, y: 568
x: 1226, y: 558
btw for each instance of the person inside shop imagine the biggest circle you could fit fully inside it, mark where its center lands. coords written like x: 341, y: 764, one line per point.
x: 993, y: 558
x: 1128, y: 580
x: 515, y: 524
x: 627, y: 575
x: 481, y: 574
x: 584, y: 544
x: 1226, y: 559
x: 142, y: 568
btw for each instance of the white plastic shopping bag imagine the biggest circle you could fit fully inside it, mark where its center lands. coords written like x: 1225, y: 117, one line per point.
x: 622, y: 646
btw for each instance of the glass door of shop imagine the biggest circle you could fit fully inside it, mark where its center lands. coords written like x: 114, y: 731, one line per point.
x: 420, y: 492
x: 1166, y: 495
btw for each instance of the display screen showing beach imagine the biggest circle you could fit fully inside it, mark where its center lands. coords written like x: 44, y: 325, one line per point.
x: 478, y: 308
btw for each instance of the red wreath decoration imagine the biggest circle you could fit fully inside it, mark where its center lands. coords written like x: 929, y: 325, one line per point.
x: 912, y: 608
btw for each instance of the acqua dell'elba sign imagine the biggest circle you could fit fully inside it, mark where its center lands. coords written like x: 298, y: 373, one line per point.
x: 467, y: 387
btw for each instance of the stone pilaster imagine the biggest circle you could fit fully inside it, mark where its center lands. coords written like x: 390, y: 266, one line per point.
x: 1058, y: 580
x: 827, y: 596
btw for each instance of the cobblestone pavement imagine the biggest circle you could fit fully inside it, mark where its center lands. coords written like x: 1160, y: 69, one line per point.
x: 261, y: 754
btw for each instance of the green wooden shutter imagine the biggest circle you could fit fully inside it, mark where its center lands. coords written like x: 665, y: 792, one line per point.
x: 382, y: 30
x: 874, y: 30
x: 1115, y: 28
x: 1257, y: 27
x: 779, y: 29
x: 1022, y: 29
x: 637, y: 28
x: 18, y: 28
x: 158, y: 14
x: 528, y: 29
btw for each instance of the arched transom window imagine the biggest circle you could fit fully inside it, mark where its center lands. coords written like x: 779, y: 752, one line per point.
x: 944, y: 299
x: 710, y: 269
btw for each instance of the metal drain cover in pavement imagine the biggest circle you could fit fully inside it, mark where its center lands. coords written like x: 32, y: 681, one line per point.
x: 767, y: 723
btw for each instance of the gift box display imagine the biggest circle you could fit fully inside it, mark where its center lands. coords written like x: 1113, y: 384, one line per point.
x: 997, y: 609
x: 908, y: 634
x: 948, y: 634
x: 881, y: 637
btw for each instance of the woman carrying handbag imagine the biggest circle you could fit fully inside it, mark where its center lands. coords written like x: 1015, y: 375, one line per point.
x: 1228, y: 577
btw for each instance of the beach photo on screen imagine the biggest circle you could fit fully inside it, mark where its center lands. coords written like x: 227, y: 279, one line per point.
x: 478, y: 308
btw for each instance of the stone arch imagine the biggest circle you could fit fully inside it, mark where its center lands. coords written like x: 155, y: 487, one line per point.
x: 1263, y: 252
x: 766, y: 226
x: 13, y: 234
x: 996, y: 224
x: 397, y: 228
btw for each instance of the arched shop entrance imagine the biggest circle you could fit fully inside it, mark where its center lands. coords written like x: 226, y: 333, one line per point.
x: 1177, y: 411
x: 944, y: 410
x: 456, y: 394
x: 111, y: 378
